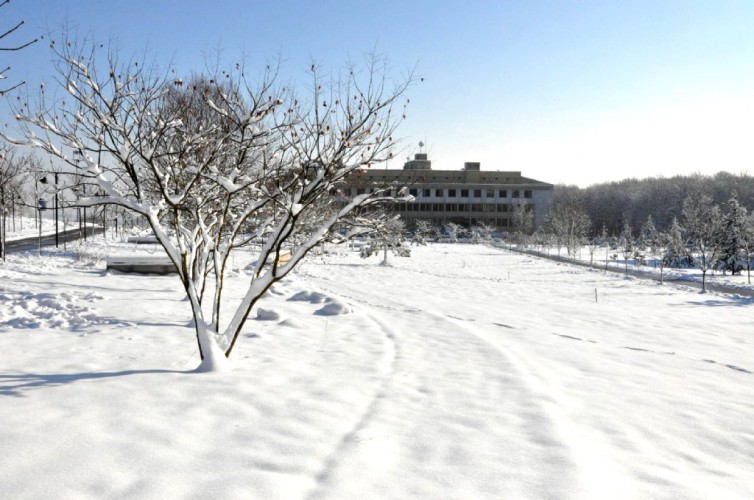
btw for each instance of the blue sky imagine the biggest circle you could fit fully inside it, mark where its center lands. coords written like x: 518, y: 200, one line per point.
x: 566, y: 92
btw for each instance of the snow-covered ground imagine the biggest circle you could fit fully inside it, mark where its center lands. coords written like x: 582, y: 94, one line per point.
x: 461, y: 372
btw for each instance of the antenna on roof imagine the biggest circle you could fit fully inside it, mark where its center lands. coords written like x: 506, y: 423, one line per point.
x: 421, y: 145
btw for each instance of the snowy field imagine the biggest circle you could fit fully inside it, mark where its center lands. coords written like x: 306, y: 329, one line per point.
x: 461, y: 372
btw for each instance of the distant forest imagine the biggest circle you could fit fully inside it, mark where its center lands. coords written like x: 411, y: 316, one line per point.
x: 612, y: 204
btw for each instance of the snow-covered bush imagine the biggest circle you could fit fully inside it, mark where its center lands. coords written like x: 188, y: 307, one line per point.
x: 385, y: 234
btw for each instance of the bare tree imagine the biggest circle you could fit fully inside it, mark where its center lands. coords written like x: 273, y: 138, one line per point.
x: 481, y: 232
x: 703, y: 224
x: 453, y: 230
x: 569, y: 224
x: 422, y: 230
x: 12, y: 48
x: 385, y: 231
x: 523, y: 221
x: 13, y: 173
x: 593, y: 243
x: 216, y: 163
x: 627, y: 244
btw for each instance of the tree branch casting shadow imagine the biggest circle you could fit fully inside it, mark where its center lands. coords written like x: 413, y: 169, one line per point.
x: 15, y: 384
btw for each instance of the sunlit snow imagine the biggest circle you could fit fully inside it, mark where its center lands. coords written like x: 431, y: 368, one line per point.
x: 463, y: 371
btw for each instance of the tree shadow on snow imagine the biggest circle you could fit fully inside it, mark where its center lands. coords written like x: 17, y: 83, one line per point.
x: 732, y: 300
x: 15, y: 384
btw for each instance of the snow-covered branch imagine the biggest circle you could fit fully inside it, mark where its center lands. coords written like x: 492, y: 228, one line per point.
x: 216, y: 162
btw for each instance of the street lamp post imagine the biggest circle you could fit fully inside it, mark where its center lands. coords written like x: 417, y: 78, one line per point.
x: 43, y: 180
x: 78, y: 155
x: 41, y: 205
x: 57, y: 238
x: 84, y: 215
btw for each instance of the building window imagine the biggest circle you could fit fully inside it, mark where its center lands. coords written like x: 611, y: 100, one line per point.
x: 477, y: 193
x: 451, y: 193
x: 462, y: 207
x: 503, y: 193
x: 476, y: 207
x: 516, y: 194
x: 527, y: 193
x: 490, y: 193
x: 413, y: 192
x: 360, y: 191
x: 464, y: 193
x: 438, y: 193
x: 502, y: 208
x: 426, y: 193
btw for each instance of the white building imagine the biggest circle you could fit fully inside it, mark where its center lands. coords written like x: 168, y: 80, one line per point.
x: 466, y: 197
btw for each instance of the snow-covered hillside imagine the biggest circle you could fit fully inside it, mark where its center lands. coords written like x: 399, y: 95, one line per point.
x: 461, y: 372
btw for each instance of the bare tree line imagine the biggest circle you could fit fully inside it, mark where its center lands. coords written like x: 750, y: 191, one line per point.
x: 611, y: 204
x: 684, y: 221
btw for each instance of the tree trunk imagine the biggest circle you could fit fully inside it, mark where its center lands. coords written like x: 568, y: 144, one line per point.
x: 213, y: 357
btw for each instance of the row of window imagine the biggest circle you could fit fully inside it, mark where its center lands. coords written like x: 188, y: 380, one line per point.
x: 466, y: 193
x: 458, y: 207
x: 461, y: 193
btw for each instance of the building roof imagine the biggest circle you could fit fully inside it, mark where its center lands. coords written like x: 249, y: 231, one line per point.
x: 476, y: 177
x: 419, y: 171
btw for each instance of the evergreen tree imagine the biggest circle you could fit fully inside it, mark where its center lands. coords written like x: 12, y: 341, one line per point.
x: 627, y: 243
x: 648, y: 236
x: 674, y: 252
x: 734, y: 238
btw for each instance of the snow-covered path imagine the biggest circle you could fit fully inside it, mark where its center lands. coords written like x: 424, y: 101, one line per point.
x: 455, y: 417
x: 524, y: 384
x: 461, y: 372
